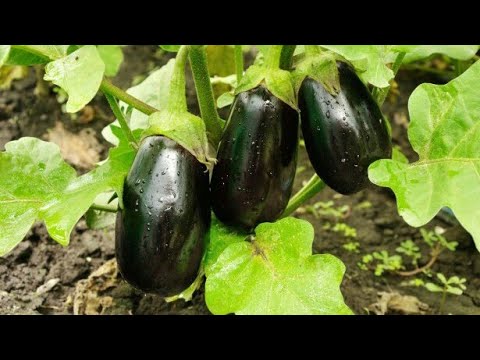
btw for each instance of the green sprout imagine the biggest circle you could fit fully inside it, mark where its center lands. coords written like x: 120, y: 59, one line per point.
x: 347, y: 231
x: 327, y: 209
x: 387, y: 262
x: 408, y: 248
x: 435, y: 239
x: 453, y: 285
x: 352, y: 246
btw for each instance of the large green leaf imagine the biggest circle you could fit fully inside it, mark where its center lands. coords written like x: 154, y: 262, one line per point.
x: 98, y: 219
x: 36, y: 184
x: 153, y: 91
x: 35, y: 54
x: 417, y: 52
x: 275, y: 273
x: 112, y: 56
x: 370, y: 60
x: 79, y: 74
x: 220, y: 237
x: 445, y: 132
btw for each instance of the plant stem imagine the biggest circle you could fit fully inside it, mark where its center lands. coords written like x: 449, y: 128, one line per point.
x: 286, y: 58
x: 442, y: 302
x: 381, y: 94
x: 239, y: 62
x: 108, y: 88
x: 272, y: 56
x: 457, y: 67
x: 106, y: 208
x: 313, y: 187
x: 312, y: 50
x: 206, y: 100
x: 177, y: 100
x: 112, y: 101
x: 435, y: 253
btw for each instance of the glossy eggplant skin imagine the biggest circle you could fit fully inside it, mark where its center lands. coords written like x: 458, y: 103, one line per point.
x: 257, y: 159
x: 161, y: 229
x: 343, y: 134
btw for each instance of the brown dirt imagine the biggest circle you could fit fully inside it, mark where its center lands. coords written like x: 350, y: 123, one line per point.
x: 39, y: 276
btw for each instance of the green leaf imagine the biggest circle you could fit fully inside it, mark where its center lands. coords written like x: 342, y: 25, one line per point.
x: 35, y: 54
x: 53, y: 52
x: 154, y: 91
x: 112, y: 56
x: 398, y: 156
x: 79, y: 74
x: 417, y: 52
x: 225, y: 99
x: 454, y: 290
x: 442, y: 278
x: 97, y: 219
x: 4, y: 51
x: 221, y: 236
x: 299, y: 49
x: 444, y: 131
x: 433, y: 287
x: 276, y: 274
x: 36, y: 184
x: 170, y: 48
x: 24, y: 58
x: 184, y: 128
x: 369, y: 60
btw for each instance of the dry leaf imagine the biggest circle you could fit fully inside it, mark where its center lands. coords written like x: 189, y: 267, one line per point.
x: 10, y: 73
x: 88, y: 298
x: 86, y: 115
x: 81, y: 150
x: 49, y: 285
x: 394, y: 303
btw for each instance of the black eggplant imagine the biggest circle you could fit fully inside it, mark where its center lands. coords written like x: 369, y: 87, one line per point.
x: 257, y: 157
x: 161, y: 229
x: 343, y: 134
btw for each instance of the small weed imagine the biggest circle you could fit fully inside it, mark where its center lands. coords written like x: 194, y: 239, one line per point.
x: 352, y: 246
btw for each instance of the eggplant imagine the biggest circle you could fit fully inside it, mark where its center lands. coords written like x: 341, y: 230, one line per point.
x: 345, y: 133
x: 257, y: 158
x: 161, y: 229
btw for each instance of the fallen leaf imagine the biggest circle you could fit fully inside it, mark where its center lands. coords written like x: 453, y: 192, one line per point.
x: 395, y: 303
x: 88, y: 298
x: 49, y: 285
x: 10, y: 73
x: 80, y: 150
x: 87, y: 114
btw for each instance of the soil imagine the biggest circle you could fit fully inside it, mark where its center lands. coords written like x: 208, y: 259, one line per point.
x: 41, y: 277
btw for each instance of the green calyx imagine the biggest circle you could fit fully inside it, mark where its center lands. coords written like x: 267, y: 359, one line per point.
x: 278, y: 82
x: 320, y: 66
